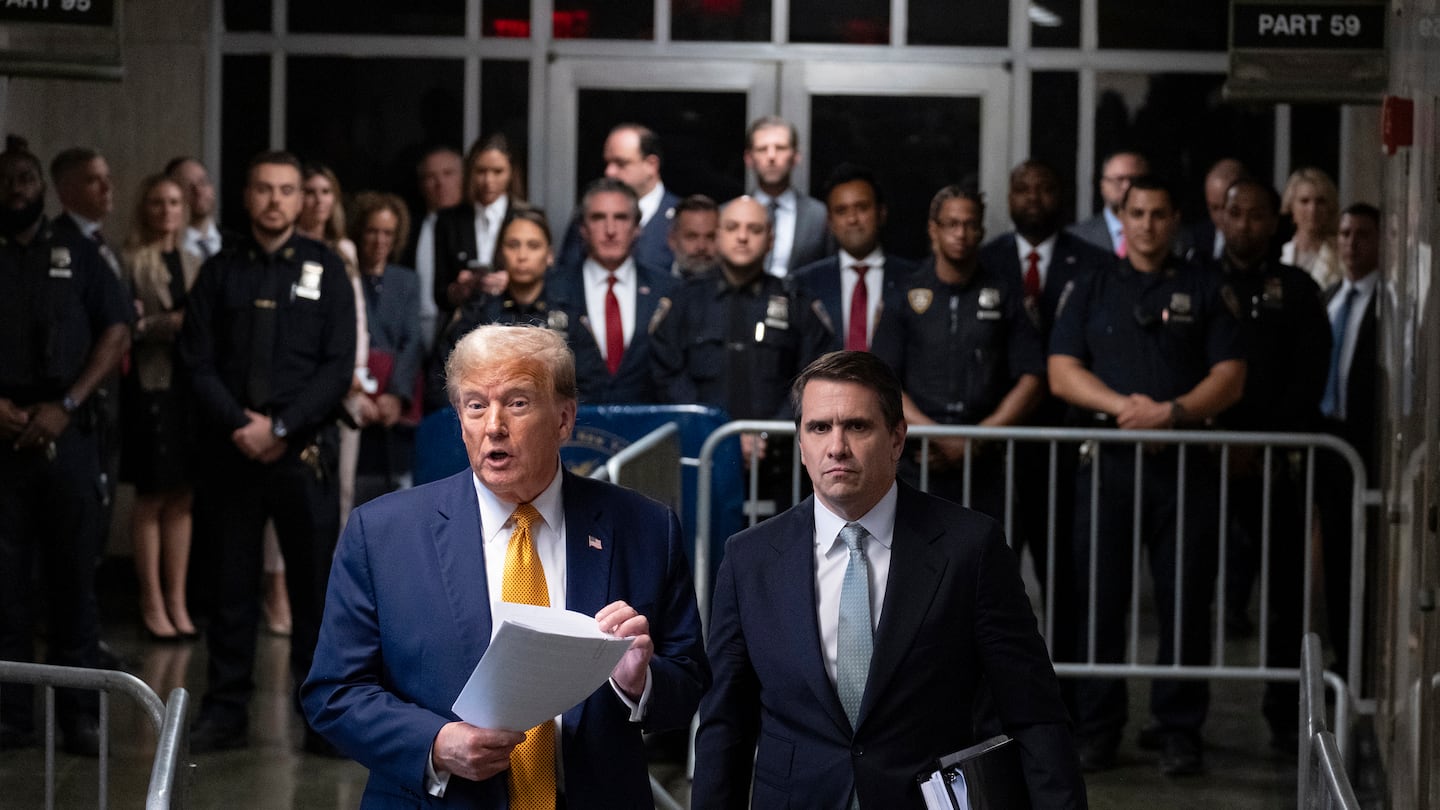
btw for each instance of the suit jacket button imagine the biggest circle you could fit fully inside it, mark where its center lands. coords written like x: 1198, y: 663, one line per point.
x: 858, y: 750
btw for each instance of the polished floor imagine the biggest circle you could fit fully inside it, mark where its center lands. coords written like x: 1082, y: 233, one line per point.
x: 1243, y: 772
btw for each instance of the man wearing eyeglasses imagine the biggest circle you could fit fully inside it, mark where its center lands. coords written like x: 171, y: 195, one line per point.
x: 1116, y: 174
x: 958, y: 337
x: 1151, y: 343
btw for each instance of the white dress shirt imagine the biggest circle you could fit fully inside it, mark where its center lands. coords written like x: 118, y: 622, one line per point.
x: 650, y: 204
x: 596, y: 280
x: 1046, y: 250
x: 831, y: 559
x: 1117, y: 231
x: 488, y: 219
x: 1364, y: 295
x: 209, y: 237
x: 786, y: 207
x: 874, y: 288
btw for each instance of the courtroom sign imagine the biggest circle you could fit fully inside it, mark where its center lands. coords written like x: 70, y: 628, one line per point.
x: 64, y: 12
x: 61, y: 39
x: 1307, y: 50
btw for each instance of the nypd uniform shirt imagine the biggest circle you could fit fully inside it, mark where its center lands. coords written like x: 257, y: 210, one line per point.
x: 1288, y: 339
x: 958, y: 349
x: 313, y: 355
x: 1157, y: 333
x: 56, y: 296
x: 736, y: 348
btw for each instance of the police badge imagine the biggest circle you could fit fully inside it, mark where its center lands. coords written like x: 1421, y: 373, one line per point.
x: 777, y: 312
x: 988, y: 300
x: 309, y: 285
x: 60, y: 262
x: 920, y: 299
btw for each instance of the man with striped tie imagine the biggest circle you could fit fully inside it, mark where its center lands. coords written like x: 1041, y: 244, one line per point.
x: 418, y: 574
x: 851, y: 634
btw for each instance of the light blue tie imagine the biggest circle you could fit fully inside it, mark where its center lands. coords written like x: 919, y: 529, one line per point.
x: 855, y: 639
x: 1330, y: 405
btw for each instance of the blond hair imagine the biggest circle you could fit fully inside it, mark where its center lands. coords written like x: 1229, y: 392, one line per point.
x: 496, y: 345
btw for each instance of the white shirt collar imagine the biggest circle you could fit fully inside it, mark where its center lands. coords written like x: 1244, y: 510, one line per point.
x: 595, y: 275
x: 875, y: 260
x: 785, y: 200
x: 494, y: 512
x: 495, y: 210
x: 650, y: 203
x: 879, y: 522
x: 1364, y: 287
x: 1113, y: 223
x: 88, y: 227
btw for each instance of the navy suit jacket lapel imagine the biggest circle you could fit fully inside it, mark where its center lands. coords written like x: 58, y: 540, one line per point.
x: 460, y: 551
x: 915, y: 572
x: 792, y: 577
x: 587, y: 565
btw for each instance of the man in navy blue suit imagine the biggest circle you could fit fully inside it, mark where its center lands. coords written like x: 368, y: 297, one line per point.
x: 850, y: 634
x: 849, y: 286
x: 418, y: 574
x: 613, y: 300
x: 632, y: 156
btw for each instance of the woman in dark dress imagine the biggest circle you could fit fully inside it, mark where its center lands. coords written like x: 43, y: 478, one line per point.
x: 156, y: 412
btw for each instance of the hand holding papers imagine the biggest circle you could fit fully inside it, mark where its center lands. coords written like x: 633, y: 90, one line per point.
x: 541, y: 662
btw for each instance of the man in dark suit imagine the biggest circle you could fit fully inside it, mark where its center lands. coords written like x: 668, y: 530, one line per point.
x: 772, y: 150
x: 849, y: 286
x: 439, y: 175
x: 851, y: 634
x: 466, y: 235
x: 1042, y: 260
x: 419, y: 573
x: 1204, y: 241
x: 203, y: 237
x: 1350, y: 409
x: 1116, y: 173
x: 612, y: 301
x: 632, y: 156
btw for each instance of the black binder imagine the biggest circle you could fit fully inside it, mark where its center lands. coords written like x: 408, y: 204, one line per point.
x: 986, y: 776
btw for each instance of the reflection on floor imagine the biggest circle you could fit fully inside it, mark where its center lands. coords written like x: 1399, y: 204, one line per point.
x: 1244, y: 774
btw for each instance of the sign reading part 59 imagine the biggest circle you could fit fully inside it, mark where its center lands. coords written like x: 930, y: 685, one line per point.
x: 1324, y: 26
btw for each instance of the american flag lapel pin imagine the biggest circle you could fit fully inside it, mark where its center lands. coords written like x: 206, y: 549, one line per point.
x: 595, y: 543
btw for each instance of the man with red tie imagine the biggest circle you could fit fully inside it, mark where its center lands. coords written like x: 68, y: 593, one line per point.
x: 1042, y: 259
x: 849, y: 286
x: 612, y: 303
x: 965, y: 351
x: 419, y: 574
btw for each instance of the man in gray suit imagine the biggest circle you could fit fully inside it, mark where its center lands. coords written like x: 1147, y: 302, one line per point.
x: 772, y: 149
x: 1103, y: 229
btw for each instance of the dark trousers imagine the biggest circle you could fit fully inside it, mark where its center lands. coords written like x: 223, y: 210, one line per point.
x: 1177, y: 705
x: 1032, y: 530
x: 232, y: 504
x: 1286, y: 580
x: 49, y: 517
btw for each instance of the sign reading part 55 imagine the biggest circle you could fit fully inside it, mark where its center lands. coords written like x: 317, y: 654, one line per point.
x: 1309, y: 25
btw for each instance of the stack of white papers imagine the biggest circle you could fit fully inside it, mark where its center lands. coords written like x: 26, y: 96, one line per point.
x: 541, y: 662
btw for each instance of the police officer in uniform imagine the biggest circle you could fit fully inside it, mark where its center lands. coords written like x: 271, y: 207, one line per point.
x: 966, y: 353
x: 64, y: 325
x: 1288, y: 359
x: 1151, y: 342
x: 269, y: 340
x: 735, y: 338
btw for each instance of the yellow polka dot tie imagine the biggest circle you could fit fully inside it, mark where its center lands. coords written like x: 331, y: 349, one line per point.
x: 532, y: 763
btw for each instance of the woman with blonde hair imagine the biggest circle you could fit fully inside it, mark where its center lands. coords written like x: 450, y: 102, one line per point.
x: 1313, y: 202
x: 158, y: 426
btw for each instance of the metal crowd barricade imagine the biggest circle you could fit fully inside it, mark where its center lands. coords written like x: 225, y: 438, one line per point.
x: 1218, y: 669
x: 170, y: 772
x: 1322, y: 782
x: 649, y: 465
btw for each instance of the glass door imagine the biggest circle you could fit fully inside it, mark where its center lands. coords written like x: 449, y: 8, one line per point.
x: 918, y: 127
x: 698, y: 108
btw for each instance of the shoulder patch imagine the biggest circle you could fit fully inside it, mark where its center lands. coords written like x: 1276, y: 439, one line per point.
x: 662, y: 308
x: 920, y: 299
x: 1064, y: 298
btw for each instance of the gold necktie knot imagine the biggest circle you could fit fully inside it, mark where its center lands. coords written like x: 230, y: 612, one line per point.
x: 525, y: 517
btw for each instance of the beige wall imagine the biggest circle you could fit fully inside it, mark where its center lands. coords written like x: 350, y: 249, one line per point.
x: 156, y: 113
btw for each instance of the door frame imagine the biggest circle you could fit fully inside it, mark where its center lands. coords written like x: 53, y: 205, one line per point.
x: 568, y: 76
x: 991, y: 84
